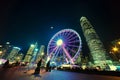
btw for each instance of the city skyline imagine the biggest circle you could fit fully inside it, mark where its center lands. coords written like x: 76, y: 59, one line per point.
x: 25, y: 22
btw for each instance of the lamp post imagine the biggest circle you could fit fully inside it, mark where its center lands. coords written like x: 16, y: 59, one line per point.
x: 116, y: 50
x: 118, y: 42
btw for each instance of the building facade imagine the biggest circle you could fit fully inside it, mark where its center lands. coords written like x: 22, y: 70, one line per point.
x: 35, y: 52
x: 94, y: 43
x: 13, y: 53
x: 41, y: 52
x: 6, y: 49
x: 29, y: 53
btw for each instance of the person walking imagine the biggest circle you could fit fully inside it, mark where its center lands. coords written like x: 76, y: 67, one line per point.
x: 48, y: 68
x: 37, y: 70
x: 6, y: 64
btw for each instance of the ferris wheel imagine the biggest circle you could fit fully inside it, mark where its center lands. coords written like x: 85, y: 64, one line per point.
x: 65, y: 45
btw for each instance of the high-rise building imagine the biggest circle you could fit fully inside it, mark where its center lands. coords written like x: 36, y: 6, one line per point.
x: 13, y: 53
x: 6, y: 49
x: 19, y: 57
x: 94, y: 43
x: 41, y: 52
x: 29, y: 54
x: 35, y: 52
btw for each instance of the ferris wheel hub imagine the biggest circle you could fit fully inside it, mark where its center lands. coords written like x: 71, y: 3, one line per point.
x: 59, y: 42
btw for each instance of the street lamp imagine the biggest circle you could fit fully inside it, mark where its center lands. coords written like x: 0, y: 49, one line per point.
x: 119, y: 42
x: 115, y: 49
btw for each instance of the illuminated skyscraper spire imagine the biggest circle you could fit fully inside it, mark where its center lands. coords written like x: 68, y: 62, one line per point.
x: 94, y: 43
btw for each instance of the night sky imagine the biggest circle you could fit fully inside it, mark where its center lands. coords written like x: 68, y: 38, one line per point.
x: 23, y: 22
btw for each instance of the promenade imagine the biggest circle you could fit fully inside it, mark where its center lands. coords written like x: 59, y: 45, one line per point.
x: 17, y: 73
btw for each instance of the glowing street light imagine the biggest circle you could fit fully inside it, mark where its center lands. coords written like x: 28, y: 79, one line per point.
x: 119, y: 42
x: 115, y: 49
x: 0, y: 45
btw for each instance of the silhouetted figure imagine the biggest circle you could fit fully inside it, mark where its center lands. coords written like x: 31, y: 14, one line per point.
x: 48, y: 68
x: 37, y: 70
x: 17, y: 63
x: 6, y: 64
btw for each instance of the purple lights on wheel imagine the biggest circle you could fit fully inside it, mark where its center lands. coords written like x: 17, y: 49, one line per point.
x: 65, y: 43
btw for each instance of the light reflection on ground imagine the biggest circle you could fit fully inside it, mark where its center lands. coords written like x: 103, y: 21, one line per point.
x: 18, y: 73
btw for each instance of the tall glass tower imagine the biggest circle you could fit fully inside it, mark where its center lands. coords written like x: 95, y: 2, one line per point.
x: 13, y: 53
x: 29, y: 53
x: 19, y: 57
x: 6, y: 50
x: 35, y: 52
x: 94, y: 43
x: 41, y: 52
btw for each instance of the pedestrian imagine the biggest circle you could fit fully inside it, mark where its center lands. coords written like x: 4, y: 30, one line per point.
x: 37, y: 70
x: 48, y: 68
x: 6, y: 64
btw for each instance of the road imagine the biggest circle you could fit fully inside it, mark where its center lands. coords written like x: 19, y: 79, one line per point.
x: 18, y: 74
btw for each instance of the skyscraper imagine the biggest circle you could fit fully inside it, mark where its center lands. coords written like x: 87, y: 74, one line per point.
x: 6, y: 50
x: 35, y: 52
x: 19, y: 57
x: 41, y: 52
x: 13, y: 53
x: 29, y: 53
x: 94, y: 43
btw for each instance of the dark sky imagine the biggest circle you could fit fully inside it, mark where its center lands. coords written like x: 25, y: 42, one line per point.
x: 23, y: 22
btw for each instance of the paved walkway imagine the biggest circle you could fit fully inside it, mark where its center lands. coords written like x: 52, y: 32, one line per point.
x: 17, y: 74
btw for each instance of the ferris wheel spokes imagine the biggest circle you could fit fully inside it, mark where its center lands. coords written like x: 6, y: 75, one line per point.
x: 76, y: 41
x: 67, y: 54
x: 73, y: 45
x: 70, y: 36
x: 52, y: 51
x: 53, y: 41
x: 70, y: 39
x: 72, y: 50
x: 56, y: 54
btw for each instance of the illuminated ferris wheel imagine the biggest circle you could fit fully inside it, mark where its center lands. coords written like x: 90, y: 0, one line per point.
x: 65, y: 44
